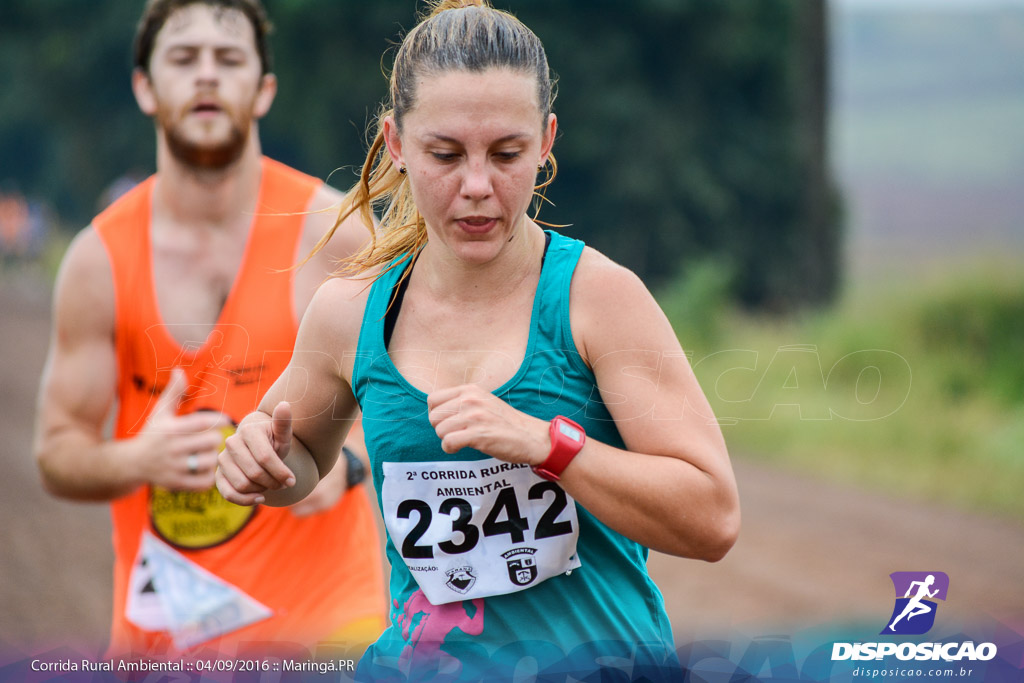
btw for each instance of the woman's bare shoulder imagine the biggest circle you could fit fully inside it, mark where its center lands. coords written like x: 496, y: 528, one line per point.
x: 335, y: 314
x: 598, y: 281
x: 612, y: 309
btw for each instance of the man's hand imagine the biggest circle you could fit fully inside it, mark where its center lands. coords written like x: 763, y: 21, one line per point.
x: 179, y: 452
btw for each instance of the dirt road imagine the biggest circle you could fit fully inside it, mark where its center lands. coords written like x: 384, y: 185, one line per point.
x: 810, y: 552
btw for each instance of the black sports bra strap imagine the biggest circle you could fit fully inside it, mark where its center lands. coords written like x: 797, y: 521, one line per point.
x: 391, y: 316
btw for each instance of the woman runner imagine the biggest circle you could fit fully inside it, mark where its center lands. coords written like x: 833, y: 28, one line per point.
x: 532, y: 422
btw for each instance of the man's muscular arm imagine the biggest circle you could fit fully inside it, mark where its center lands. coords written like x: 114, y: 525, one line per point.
x: 79, y: 385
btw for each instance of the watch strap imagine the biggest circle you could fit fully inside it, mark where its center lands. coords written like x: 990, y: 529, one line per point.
x: 355, y: 471
x: 567, y: 439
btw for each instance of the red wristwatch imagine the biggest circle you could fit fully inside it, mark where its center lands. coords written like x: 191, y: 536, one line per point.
x: 567, y: 439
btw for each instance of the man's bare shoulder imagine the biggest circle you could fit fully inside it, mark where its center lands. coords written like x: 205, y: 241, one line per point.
x: 322, y: 215
x: 326, y: 200
x: 85, y: 286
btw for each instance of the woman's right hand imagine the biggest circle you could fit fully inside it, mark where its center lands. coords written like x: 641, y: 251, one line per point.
x: 252, y: 461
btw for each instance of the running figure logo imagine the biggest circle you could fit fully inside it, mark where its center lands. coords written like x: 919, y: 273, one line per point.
x: 914, y: 613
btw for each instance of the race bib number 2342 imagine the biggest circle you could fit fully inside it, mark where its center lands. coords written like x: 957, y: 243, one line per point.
x: 479, y: 528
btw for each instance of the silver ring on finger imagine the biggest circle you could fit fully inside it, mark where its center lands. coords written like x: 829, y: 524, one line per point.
x: 192, y: 461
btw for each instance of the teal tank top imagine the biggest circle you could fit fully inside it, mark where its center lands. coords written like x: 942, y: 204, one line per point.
x: 603, y: 611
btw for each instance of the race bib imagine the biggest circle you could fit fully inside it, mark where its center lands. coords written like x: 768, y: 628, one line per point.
x: 480, y: 528
x: 196, y: 519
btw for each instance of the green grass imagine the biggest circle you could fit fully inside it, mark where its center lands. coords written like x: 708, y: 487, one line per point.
x: 912, y: 387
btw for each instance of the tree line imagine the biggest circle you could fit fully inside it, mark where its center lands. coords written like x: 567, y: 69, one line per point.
x: 690, y: 130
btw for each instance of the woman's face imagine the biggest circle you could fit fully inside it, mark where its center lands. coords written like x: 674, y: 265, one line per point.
x: 471, y: 146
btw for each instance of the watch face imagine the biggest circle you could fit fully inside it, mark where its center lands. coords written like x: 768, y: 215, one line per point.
x: 570, y: 431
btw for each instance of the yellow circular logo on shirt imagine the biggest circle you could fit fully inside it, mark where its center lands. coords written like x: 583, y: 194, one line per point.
x: 197, y: 519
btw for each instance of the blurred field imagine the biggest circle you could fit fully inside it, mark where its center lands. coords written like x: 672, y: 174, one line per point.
x: 909, y: 386
x: 912, y: 384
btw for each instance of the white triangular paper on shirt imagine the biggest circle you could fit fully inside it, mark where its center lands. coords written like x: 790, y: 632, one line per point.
x: 197, y: 605
x: 144, y: 608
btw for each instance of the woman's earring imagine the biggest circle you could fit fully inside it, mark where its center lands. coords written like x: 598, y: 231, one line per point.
x: 401, y: 169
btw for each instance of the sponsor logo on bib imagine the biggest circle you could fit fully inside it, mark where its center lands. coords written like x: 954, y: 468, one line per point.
x: 460, y: 579
x: 522, y: 568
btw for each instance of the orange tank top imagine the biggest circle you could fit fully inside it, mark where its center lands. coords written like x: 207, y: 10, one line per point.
x: 258, y: 575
